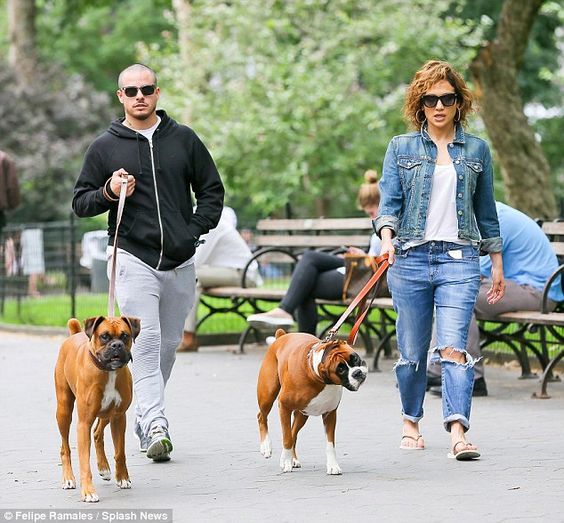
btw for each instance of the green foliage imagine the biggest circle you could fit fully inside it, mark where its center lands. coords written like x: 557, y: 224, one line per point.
x: 46, y: 126
x: 296, y: 99
x: 98, y: 39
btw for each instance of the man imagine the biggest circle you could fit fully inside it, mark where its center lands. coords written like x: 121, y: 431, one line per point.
x: 219, y: 262
x: 528, y: 262
x: 164, y: 162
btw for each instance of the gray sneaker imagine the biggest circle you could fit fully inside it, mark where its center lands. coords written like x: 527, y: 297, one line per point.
x: 143, y: 439
x: 160, y: 446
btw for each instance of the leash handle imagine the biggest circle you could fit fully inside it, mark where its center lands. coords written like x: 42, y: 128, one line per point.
x: 383, y: 265
x: 112, y: 289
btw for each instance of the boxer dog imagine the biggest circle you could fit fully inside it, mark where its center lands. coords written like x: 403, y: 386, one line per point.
x: 307, y: 375
x: 92, y: 368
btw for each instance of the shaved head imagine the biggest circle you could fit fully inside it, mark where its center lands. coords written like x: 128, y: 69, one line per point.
x: 136, y: 68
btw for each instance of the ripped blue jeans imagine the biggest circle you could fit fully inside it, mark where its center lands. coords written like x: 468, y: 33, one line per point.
x: 443, y: 277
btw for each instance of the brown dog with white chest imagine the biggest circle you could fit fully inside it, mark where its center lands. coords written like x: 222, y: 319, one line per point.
x: 92, y: 368
x: 307, y: 375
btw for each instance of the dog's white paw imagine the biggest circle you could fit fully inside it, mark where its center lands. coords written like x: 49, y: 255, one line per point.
x: 332, y: 466
x: 296, y: 463
x: 286, y: 460
x: 124, y: 483
x: 333, y: 469
x: 266, y: 447
x: 91, y: 498
x: 106, y: 474
x: 69, y: 483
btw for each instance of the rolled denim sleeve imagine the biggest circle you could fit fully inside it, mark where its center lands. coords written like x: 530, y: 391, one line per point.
x: 484, y: 207
x: 391, y: 194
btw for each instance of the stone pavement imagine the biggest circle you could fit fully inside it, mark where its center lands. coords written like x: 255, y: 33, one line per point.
x: 218, y: 474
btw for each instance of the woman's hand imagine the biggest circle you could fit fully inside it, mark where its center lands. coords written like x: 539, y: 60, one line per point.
x: 497, y: 290
x: 387, y: 245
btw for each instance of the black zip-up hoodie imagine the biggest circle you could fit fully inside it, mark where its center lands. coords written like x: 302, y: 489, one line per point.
x: 158, y: 224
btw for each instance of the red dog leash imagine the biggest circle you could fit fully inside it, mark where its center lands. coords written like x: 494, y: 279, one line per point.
x: 360, y: 299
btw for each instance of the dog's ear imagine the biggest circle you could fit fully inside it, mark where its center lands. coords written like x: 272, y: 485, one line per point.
x: 134, y: 325
x: 90, y: 325
x: 279, y: 332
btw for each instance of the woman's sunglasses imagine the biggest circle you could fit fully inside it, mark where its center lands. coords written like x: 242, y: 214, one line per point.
x: 431, y: 100
x: 146, y: 90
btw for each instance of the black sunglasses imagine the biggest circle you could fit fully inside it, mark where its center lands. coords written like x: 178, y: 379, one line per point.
x: 431, y: 100
x: 131, y: 91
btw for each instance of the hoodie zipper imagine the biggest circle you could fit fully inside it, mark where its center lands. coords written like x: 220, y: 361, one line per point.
x: 158, y: 205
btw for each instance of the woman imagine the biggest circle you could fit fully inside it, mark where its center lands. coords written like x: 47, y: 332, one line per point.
x: 437, y: 211
x: 319, y: 274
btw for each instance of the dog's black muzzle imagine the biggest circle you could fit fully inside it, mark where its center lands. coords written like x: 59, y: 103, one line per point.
x: 115, y: 355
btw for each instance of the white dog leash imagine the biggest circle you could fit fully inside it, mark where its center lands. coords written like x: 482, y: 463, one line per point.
x: 112, y: 289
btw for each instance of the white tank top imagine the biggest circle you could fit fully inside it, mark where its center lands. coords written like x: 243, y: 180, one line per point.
x: 441, y: 224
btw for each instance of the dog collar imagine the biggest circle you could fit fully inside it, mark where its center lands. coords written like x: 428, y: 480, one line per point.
x: 98, y: 363
x: 314, y: 363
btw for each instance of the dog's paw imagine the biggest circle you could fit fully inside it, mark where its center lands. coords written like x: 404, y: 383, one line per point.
x: 90, y: 497
x: 69, y: 483
x: 123, y: 483
x: 296, y: 463
x: 286, y: 460
x: 105, y: 474
x: 333, y: 469
x: 266, y: 447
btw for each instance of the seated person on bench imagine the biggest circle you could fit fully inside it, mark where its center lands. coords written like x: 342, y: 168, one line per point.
x: 528, y: 262
x: 319, y: 274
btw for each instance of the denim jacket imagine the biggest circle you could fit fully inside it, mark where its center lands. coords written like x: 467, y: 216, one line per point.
x: 406, y: 183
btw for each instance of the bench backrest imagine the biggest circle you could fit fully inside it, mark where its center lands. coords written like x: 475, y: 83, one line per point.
x: 555, y: 232
x: 316, y: 233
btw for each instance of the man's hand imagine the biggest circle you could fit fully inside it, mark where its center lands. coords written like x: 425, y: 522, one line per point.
x: 115, y: 182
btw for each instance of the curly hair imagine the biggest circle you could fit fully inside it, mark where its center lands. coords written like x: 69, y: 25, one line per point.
x: 432, y: 72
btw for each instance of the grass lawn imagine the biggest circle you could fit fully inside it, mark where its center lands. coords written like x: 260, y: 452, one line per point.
x: 55, y: 310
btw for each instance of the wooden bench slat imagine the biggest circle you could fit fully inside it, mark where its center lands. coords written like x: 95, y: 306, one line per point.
x: 558, y: 248
x: 315, y: 224
x: 333, y: 240
x: 537, y: 318
x: 553, y: 228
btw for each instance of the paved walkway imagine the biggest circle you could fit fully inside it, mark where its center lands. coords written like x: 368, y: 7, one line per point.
x: 217, y: 473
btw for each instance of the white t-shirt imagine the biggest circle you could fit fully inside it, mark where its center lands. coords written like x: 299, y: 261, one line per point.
x: 148, y: 133
x: 442, y: 224
x: 225, y: 247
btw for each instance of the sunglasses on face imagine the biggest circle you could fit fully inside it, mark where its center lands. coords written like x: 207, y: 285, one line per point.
x: 431, y: 100
x: 131, y: 91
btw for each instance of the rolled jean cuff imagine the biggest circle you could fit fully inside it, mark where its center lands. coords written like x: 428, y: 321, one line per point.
x: 413, y: 419
x: 456, y: 417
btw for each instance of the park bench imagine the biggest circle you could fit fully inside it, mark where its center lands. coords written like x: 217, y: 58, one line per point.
x: 278, y: 243
x: 538, y: 332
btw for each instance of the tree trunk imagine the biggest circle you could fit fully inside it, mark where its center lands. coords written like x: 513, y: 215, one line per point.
x: 22, y: 54
x: 524, y: 168
x: 183, y: 11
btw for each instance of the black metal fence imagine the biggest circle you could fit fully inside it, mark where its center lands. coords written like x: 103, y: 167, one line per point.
x: 40, y: 273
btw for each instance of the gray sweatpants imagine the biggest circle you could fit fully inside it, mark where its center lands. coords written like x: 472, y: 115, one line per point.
x: 161, y: 300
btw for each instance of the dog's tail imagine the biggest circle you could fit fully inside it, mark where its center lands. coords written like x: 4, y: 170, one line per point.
x: 74, y: 326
